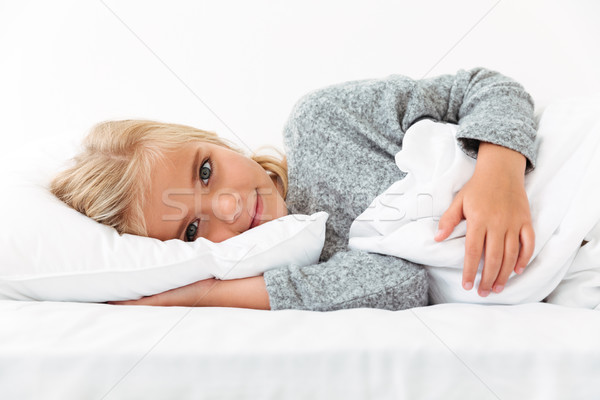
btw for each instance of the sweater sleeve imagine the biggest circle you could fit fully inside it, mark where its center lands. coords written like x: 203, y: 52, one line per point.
x: 349, y: 279
x: 486, y: 105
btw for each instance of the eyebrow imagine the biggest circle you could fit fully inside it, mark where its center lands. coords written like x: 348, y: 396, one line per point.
x: 183, y: 225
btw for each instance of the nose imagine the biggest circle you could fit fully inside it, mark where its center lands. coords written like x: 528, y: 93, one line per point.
x: 226, y: 205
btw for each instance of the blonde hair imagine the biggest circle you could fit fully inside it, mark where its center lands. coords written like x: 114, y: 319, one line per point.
x: 110, y: 177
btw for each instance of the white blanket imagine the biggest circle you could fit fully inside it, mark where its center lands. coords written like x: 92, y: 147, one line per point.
x: 564, y: 195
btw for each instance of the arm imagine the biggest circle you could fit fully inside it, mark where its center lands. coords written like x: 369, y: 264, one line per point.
x: 243, y: 293
x: 350, y: 279
x: 487, y: 106
x: 382, y: 282
x: 495, y: 111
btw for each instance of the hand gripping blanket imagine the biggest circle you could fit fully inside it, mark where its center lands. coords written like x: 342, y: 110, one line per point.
x: 564, y: 196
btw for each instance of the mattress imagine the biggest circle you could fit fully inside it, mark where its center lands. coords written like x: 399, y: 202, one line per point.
x: 62, y: 350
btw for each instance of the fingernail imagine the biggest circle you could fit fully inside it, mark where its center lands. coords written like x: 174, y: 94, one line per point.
x: 468, y: 285
x: 520, y: 270
x: 484, y: 293
x: 438, y: 232
x: 498, y: 288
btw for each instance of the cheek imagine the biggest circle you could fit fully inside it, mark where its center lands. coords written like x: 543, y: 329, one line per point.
x: 281, y: 207
x: 243, y: 172
x: 220, y: 235
x: 277, y: 207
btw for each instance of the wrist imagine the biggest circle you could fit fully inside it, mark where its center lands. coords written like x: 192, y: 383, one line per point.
x: 496, y: 159
x: 244, y: 293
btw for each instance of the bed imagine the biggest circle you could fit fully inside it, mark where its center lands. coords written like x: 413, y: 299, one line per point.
x: 97, y: 351
x: 68, y: 65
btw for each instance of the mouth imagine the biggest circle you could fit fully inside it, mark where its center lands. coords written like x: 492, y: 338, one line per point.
x: 257, y: 212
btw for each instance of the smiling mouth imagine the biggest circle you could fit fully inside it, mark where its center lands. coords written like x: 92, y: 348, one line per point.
x: 257, y: 212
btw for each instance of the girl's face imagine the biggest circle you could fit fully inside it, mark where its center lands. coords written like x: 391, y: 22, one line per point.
x: 205, y: 190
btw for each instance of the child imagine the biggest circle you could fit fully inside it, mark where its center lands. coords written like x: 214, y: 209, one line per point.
x: 133, y: 174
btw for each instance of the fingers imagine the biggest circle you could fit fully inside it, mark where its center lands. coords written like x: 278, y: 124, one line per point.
x: 527, y: 246
x: 448, y: 221
x: 494, y: 255
x: 511, y: 252
x: 473, y: 249
x: 503, y: 255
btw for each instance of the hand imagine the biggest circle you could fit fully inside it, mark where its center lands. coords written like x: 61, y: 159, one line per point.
x: 496, y: 208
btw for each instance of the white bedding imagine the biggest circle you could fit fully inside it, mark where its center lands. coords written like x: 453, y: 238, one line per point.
x: 52, y: 350
x: 564, y: 197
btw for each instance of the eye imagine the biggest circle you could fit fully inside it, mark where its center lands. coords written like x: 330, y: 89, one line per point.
x: 190, y: 233
x: 206, y: 171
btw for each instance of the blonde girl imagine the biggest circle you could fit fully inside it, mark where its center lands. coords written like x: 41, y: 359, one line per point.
x: 171, y: 181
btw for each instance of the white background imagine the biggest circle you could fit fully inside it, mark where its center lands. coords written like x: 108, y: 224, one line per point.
x: 237, y: 67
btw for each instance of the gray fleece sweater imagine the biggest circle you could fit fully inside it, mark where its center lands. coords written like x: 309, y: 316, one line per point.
x: 341, y: 142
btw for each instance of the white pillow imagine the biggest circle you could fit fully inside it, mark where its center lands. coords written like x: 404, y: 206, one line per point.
x: 49, y: 251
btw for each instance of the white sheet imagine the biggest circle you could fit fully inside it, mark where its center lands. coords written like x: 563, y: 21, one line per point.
x: 64, y: 351
x: 564, y: 198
